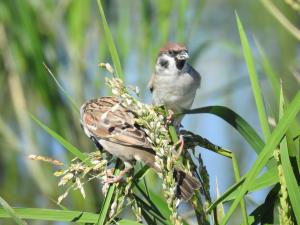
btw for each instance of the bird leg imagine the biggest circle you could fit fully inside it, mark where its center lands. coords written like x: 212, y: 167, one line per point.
x: 109, y: 172
x: 110, y: 178
x: 170, y: 117
x: 180, y: 142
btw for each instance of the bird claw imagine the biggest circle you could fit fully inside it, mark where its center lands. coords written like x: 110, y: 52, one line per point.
x: 112, y: 179
x: 110, y: 172
x: 170, y: 117
x: 180, y: 142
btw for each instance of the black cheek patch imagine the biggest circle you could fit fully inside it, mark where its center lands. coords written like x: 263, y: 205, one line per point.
x: 180, y: 64
x: 164, y: 63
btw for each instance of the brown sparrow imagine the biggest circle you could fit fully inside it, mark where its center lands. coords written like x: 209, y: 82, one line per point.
x: 112, y: 126
x: 174, y: 82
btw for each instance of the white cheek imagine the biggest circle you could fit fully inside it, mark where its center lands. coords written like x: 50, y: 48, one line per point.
x: 171, y: 67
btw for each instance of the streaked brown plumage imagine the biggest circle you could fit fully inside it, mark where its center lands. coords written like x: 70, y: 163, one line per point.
x: 112, y: 126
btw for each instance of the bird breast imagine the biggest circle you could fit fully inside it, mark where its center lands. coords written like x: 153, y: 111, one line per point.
x: 177, y: 92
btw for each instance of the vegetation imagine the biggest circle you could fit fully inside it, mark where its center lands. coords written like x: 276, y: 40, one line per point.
x: 39, y: 108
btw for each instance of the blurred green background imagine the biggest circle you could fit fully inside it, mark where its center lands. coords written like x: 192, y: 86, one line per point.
x: 68, y: 36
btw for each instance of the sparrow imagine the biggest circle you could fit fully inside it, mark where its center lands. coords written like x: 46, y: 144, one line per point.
x: 113, y: 127
x: 174, y: 82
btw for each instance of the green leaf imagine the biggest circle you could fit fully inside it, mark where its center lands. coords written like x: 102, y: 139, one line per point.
x: 267, y: 151
x: 272, y: 76
x: 108, y: 198
x: 268, y: 179
x: 290, y: 179
x: 71, y: 148
x: 235, y: 121
x: 10, y: 212
x: 110, y: 42
x: 149, y: 210
x: 225, y: 195
x: 151, y: 207
x: 158, y: 204
x: 141, y: 173
x: 254, y: 80
x: 52, y: 215
x: 289, y: 176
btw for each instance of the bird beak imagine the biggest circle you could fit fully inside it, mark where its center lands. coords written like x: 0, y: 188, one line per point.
x: 182, y: 55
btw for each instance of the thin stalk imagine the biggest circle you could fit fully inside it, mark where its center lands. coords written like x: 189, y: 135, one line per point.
x: 103, y: 214
x: 237, y: 179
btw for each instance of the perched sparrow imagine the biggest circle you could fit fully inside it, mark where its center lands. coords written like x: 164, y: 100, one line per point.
x: 174, y: 82
x: 112, y: 126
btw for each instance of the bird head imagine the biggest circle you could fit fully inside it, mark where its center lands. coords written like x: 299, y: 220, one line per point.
x: 171, y: 58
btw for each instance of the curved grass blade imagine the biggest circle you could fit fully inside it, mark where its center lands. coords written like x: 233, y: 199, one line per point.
x: 110, y: 43
x: 234, y: 120
x: 266, y: 153
x: 73, y: 103
x: 10, y: 212
x: 254, y: 80
x: 52, y: 215
x: 71, y: 148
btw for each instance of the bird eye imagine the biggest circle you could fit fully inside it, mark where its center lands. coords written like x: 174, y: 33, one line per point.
x: 171, y: 52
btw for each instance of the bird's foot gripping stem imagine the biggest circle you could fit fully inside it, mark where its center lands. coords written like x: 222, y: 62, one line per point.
x: 180, y: 142
x: 110, y: 178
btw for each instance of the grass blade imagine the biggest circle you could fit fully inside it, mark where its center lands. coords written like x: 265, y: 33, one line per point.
x: 290, y: 179
x: 267, y: 179
x: 281, y: 18
x: 52, y: 215
x: 110, y: 43
x: 71, y: 100
x: 254, y: 80
x: 71, y: 148
x: 235, y: 121
x: 118, y: 71
x: 108, y: 198
x: 273, y: 77
x: 266, y: 153
x: 237, y: 178
x: 288, y: 173
x: 10, y: 212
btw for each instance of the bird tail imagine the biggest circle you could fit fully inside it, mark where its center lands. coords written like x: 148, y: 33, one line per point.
x: 186, y: 185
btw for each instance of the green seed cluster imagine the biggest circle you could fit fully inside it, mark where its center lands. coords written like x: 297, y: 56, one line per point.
x: 284, y: 207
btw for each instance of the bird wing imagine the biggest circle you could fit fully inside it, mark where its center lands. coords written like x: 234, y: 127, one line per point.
x: 105, y: 118
x: 196, y: 75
